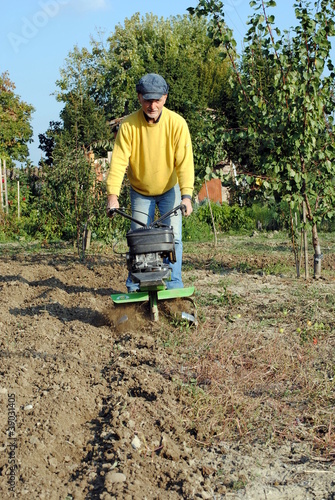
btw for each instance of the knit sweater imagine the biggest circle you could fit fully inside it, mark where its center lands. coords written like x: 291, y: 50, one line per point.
x: 158, y: 155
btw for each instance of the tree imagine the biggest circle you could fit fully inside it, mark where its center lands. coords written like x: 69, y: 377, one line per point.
x: 48, y: 141
x: 70, y: 197
x: 82, y: 115
x: 178, y: 48
x: 70, y: 191
x: 290, y: 120
x: 15, y: 115
x: 98, y: 85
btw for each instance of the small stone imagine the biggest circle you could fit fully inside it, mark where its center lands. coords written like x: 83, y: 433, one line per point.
x: 136, y: 443
x: 53, y: 462
x: 28, y: 407
x: 112, y: 478
x: 206, y: 495
x: 131, y: 424
x: 3, y: 390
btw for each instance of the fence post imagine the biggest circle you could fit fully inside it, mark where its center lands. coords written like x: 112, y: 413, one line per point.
x: 3, y: 181
x: 5, y: 178
x: 305, y: 240
x: 212, y: 217
x: 18, y: 200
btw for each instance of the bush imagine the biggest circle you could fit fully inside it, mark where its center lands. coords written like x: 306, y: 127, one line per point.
x: 195, y: 229
x: 226, y: 217
x: 268, y: 215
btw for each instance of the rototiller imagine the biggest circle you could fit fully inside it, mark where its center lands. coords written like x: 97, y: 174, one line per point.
x: 151, y: 248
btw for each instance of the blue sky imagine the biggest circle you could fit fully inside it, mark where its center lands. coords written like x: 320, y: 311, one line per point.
x: 37, y: 35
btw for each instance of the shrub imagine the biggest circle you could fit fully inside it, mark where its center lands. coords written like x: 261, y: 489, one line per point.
x: 268, y: 215
x: 196, y: 230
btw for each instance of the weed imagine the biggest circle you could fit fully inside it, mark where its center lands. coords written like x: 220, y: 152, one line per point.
x: 223, y: 298
x: 276, y: 268
x: 238, y: 485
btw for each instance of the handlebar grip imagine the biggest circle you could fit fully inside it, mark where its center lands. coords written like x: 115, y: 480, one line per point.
x: 111, y: 212
x: 183, y: 209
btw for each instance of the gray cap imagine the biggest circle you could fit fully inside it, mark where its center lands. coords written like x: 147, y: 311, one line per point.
x: 152, y: 86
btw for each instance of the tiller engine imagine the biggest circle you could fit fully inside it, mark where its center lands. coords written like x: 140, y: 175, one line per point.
x: 151, y: 248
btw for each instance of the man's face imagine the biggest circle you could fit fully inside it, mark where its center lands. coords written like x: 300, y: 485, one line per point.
x: 153, y: 107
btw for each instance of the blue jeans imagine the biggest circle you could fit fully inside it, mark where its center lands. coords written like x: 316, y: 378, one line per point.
x: 143, y: 209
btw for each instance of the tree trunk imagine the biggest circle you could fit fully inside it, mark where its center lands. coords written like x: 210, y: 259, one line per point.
x: 78, y: 238
x: 86, y: 243
x: 295, y: 246
x: 317, y: 252
x: 88, y: 239
x: 305, y: 240
x: 316, y: 242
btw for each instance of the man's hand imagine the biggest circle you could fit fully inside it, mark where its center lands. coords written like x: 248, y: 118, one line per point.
x: 188, y: 204
x: 112, y: 202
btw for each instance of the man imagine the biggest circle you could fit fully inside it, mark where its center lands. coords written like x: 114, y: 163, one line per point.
x: 155, y: 144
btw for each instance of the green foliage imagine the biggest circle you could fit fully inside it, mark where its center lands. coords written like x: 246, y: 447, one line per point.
x: 195, y: 229
x: 226, y: 217
x: 70, y: 194
x: 271, y: 216
x: 286, y: 107
x: 178, y: 48
x: 86, y: 121
x: 289, y: 118
x: 48, y: 141
x: 15, y: 116
x: 98, y: 85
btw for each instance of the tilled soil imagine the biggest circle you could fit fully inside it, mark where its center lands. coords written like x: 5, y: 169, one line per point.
x: 89, y: 410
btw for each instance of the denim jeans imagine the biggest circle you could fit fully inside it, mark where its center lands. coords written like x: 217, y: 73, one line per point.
x: 143, y: 209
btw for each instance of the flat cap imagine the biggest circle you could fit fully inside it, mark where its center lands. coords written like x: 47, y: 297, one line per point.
x: 152, y: 86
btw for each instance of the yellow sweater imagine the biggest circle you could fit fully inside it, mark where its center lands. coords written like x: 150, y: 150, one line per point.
x: 158, y: 155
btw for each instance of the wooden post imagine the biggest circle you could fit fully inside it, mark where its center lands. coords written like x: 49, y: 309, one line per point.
x: 305, y: 240
x: 1, y: 188
x: 210, y: 209
x: 18, y: 200
x: 5, y: 184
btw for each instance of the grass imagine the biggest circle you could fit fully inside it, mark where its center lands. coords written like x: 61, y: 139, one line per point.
x: 263, y: 355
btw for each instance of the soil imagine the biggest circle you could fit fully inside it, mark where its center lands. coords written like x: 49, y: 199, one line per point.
x: 88, y: 410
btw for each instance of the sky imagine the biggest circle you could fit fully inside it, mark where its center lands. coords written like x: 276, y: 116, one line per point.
x: 36, y: 36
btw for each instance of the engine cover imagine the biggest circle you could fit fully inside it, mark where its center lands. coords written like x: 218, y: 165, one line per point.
x: 150, y: 251
x: 153, y: 239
